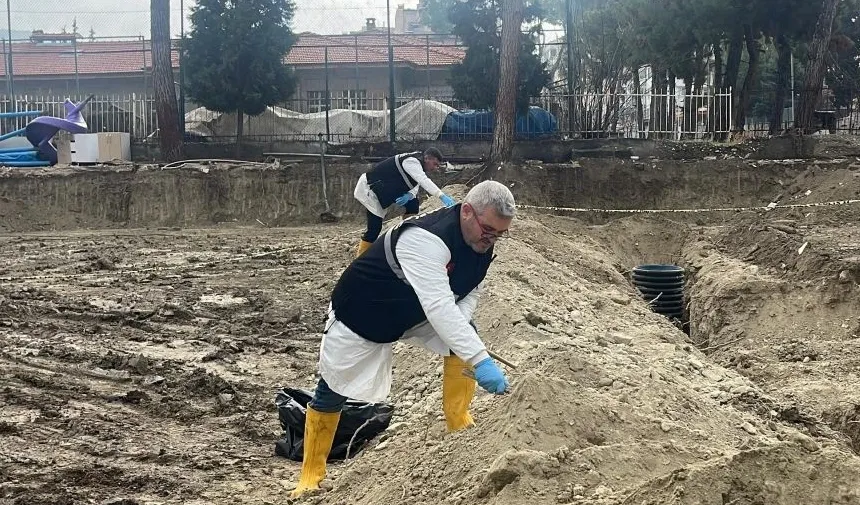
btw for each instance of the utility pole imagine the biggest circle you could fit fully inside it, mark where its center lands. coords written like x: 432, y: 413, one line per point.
x: 181, y: 69
x: 77, y: 74
x: 391, y: 99
x: 11, y: 73
x: 792, y: 88
x: 568, y: 18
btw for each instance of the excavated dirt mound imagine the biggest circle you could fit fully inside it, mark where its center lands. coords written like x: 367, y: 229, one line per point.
x: 782, y: 308
x: 776, y: 297
x: 140, y: 367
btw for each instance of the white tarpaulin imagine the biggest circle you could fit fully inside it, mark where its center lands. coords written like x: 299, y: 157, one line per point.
x: 417, y: 120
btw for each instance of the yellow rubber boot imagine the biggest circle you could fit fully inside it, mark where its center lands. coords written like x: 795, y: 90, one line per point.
x: 362, y: 246
x: 319, y: 436
x: 457, y: 393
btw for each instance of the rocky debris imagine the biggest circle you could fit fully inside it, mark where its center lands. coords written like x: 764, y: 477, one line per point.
x: 535, y: 320
x: 513, y: 464
x: 118, y: 375
x: 133, y: 397
x: 153, y: 380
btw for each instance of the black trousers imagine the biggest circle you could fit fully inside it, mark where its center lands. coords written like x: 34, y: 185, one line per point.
x: 374, y: 222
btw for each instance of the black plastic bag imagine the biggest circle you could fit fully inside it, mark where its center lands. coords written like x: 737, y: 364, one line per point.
x: 292, y: 409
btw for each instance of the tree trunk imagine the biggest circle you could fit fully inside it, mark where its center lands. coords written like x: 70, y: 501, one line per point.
x: 671, y: 106
x: 169, y: 134
x: 715, y: 108
x: 733, y: 68
x: 733, y: 62
x: 655, y: 119
x: 701, y: 68
x: 690, y: 111
x: 663, y: 105
x: 804, y: 117
x: 696, y: 102
x: 751, y: 79
x: 718, y: 66
x: 503, y: 133
x: 240, y: 127
x: 615, y: 107
x: 640, y: 111
x: 783, y: 76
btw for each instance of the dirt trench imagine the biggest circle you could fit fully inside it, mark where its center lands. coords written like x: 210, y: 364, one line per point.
x: 291, y: 194
x: 772, y: 294
x: 140, y: 366
x: 778, y: 301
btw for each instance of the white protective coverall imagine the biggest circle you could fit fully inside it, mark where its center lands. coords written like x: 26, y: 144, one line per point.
x: 360, y: 369
x: 411, y: 166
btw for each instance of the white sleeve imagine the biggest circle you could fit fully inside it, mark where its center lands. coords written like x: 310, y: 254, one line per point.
x: 416, y: 171
x: 470, y: 302
x: 423, y: 258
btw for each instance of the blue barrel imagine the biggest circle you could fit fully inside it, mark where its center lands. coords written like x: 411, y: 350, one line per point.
x: 662, y: 286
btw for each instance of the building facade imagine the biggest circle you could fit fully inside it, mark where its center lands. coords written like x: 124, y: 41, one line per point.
x: 353, y: 68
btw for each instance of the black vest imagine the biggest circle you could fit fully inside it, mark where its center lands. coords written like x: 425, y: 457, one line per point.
x: 388, y: 179
x: 373, y: 299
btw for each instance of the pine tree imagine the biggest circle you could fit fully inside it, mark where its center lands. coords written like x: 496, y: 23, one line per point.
x: 476, y: 79
x: 434, y: 13
x: 804, y: 116
x: 234, y: 56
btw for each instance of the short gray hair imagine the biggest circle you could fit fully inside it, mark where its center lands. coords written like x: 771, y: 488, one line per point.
x: 492, y: 194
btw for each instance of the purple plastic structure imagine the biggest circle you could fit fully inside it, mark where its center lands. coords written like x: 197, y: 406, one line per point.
x: 41, y: 130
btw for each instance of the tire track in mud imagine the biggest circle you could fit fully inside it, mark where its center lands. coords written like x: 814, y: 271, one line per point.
x: 150, y: 376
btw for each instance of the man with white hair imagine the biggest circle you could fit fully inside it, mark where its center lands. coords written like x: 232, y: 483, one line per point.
x: 420, y: 282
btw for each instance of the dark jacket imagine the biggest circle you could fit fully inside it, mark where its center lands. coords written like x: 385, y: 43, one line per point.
x: 374, y: 300
x: 388, y: 179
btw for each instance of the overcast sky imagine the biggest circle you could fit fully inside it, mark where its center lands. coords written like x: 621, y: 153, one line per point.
x: 131, y: 17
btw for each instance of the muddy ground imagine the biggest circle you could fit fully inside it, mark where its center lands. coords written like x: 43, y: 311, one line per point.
x: 140, y: 366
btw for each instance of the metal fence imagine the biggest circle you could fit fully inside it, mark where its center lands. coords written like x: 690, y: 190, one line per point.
x: 835, y: 121
x: 365, y: 118
x: 364, y: 102
x: 341, y: 119
x: 640, y: 115
x: 361, y: 118
x: 132, y: 113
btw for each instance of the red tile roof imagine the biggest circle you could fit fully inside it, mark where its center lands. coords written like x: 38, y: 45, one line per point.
x: 413, y: 50
x: 44, y: 60
x: 123, y: 57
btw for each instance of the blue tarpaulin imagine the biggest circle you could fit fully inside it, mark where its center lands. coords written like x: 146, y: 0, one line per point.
x: 478, y: 125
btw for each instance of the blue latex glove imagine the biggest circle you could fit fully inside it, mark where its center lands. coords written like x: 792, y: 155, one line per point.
x: 490, y: 376
x: 447, y: 200
x: 404, y: 199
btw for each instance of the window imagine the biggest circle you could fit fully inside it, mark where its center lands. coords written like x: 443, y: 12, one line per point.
x: 403, y: 100
x: 316, y: 101
x: 353, y: 99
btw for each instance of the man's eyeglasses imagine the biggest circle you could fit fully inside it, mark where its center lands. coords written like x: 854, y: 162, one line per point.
x: 489, y: 231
